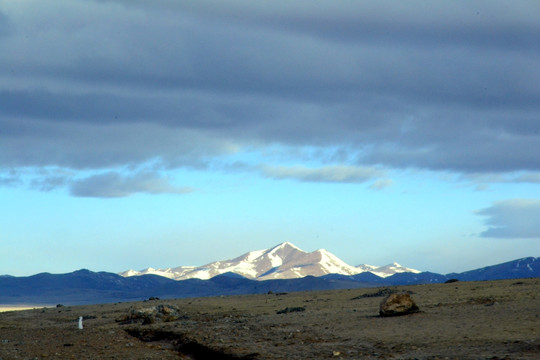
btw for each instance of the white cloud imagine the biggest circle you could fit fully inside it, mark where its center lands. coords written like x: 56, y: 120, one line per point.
x: 333, y: 174
x: 381, y: 184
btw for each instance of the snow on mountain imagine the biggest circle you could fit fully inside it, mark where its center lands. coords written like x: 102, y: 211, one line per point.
x: 168, y: 273
x: 301, y: 264
x: 284, y: 261
x: 366, y: 267
x: 391, y: 269
x: 129, y: 273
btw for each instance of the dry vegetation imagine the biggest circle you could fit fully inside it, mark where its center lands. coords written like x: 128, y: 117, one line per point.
x: 463, y: 320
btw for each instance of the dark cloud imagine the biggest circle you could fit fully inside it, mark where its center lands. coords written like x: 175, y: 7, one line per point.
x: 484, y: 22
x: 114, y: 185
x: 515, y: 218
x: 49, y: 183
x: 87, y: 146
x: 10, y: 181
x: 4, y: 24
x: 102, y: 84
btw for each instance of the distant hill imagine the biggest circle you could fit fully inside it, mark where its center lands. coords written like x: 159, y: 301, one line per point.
x: 521, y: 268
x: 87, y: 287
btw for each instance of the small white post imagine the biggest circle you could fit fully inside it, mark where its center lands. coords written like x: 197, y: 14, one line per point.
x: 80, y: 322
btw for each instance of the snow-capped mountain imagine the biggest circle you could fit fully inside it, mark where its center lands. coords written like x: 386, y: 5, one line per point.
x: 391, y: 269
x: 284, y: 261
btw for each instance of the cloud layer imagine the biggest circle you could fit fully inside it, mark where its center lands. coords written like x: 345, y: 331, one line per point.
x: 100, y: 85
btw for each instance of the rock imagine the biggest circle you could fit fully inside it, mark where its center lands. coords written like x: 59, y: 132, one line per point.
x: 168, y: 313
x: 397, y: 304
x: 291, y: 309
x: 165, y: 313
x: 380, y: 293
x: 483, y: 300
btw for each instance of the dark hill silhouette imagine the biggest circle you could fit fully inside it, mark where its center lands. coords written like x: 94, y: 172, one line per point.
x: 87, y: 287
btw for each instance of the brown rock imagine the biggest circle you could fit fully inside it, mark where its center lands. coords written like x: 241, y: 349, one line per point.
x: 397, y: 304
x: 165, y: 313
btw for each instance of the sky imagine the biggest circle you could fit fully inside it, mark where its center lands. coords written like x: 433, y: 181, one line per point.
x: 162, y: 133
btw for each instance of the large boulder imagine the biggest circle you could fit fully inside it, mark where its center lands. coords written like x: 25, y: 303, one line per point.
x: 164, y: 313
x: 397, y: 304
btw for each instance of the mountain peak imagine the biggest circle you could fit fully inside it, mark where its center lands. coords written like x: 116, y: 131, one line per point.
x: 285, y: 246
x: 281, y: 254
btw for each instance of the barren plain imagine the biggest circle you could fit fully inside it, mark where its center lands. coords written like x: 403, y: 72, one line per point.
x: 461, y: 320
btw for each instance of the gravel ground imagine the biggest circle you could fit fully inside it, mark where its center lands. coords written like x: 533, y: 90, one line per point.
x: 463, y: 320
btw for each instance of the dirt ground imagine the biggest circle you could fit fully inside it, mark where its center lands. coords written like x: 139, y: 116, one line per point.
x: 462, y: 320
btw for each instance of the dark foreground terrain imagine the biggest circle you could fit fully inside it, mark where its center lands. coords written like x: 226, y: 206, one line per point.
x: 461, y: 320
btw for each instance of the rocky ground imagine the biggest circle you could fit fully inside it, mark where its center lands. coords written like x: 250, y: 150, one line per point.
x: 462, y: 320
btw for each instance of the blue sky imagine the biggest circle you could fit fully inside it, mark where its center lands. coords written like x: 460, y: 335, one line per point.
x: 167, y: 133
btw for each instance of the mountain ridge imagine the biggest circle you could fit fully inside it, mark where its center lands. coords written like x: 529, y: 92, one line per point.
x: 87, y: 287
x: 283, y: 261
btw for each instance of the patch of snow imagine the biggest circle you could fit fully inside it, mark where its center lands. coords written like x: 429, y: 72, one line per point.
x: 391, y: 269
x: 365, y: 267
x: 333, y: 265
x: 129, y: 273
x: 275, y: 260
x: 381, y: 274
x: 203, y: 275
x: 251, y: 256
x: 297, y: 272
